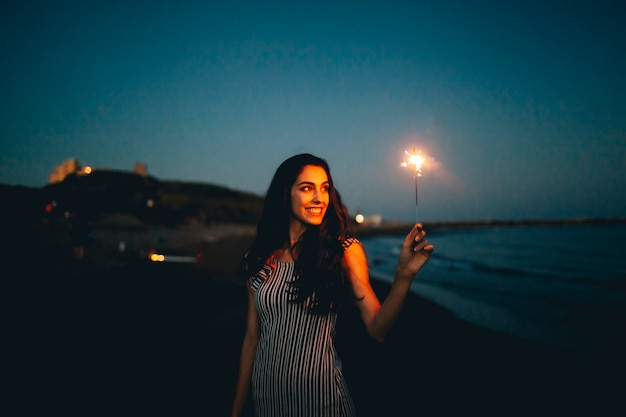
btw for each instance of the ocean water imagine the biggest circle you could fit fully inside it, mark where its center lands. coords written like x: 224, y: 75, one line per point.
x: 557, y: 285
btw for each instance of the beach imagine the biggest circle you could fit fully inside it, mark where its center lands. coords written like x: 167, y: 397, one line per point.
x: 116, y: 334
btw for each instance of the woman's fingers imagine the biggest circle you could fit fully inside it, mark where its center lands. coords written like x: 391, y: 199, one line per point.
x: 418, y: 236
x: 414, y: 234
x: 424, y: 247
x: 418, y: 245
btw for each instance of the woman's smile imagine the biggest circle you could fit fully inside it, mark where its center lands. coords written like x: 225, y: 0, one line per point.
x: 316, y: 210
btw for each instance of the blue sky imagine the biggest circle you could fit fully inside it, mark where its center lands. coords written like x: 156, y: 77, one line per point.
x: 521, y: 105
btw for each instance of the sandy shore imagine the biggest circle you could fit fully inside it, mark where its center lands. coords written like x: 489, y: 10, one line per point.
x: 118, y: 335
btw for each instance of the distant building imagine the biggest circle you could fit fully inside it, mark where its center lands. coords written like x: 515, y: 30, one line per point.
x: 141, y: 169
x: 72, y: 166
x: 68, y: 167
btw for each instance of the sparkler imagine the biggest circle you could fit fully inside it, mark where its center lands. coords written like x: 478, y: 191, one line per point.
x: 416, y: 159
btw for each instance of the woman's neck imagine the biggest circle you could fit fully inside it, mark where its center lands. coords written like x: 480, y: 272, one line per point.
x: 296, y: 230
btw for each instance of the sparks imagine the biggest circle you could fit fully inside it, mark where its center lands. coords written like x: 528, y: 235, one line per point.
x: 415, y: 159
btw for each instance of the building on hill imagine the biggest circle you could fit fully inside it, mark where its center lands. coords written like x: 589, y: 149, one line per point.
x: 68, y: 167
x: 141, y: 169
x: 72, y: 166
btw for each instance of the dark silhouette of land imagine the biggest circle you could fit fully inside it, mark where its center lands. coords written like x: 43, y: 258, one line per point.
x: 117, y: 334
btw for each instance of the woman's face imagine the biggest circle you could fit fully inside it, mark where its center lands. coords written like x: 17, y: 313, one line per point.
x: 309, y: 195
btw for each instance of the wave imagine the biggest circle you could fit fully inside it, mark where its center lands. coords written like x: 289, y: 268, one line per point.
x: 546, y: 286
x: 562, y: 267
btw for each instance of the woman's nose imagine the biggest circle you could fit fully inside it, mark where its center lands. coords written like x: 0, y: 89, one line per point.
x: 316, y: 197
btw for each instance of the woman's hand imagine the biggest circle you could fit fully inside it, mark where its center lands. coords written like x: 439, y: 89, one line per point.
x: 414, y: 253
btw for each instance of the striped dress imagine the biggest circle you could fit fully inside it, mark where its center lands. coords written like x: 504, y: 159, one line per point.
x: 297, y: 371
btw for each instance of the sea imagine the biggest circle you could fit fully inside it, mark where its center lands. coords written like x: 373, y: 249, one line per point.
x: 560, y: 285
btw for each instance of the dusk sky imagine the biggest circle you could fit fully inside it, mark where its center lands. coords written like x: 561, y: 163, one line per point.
x: 521, y: 105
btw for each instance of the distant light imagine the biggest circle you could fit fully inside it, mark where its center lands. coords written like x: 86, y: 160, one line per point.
x: 359, y: 218
x: 84, y: 170
x: 150, y: 202
x: 157, y: 257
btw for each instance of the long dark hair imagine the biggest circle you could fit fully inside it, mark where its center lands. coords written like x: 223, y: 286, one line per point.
x: 320, y: 282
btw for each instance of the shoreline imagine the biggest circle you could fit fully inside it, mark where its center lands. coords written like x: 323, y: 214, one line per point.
x: 391, y: 227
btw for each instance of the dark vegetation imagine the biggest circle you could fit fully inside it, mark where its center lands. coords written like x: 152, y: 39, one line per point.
x: 152, y: 201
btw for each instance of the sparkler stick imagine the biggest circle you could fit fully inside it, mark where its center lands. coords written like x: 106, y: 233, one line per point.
x: 416, y: 159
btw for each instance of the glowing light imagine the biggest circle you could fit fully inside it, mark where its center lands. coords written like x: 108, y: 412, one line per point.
x: 359, y: 218
x: 416, y: 160
x: 157, y: 257
x: 160, y: 257
x: 86, y: 170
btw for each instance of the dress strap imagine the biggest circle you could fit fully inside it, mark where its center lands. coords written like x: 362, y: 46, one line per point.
x: 349, y: 241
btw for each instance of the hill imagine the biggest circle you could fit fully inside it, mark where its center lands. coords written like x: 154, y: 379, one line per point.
x: 150, y: 200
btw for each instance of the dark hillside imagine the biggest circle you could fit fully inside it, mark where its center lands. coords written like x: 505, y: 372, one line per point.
x: 210, y: 203
x: 151, y: 200
x: 21, y: 206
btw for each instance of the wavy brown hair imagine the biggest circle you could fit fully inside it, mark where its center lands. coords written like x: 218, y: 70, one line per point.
x: 320, y: 283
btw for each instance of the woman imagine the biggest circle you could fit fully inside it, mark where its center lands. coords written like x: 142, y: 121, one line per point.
x: 301, y: 268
